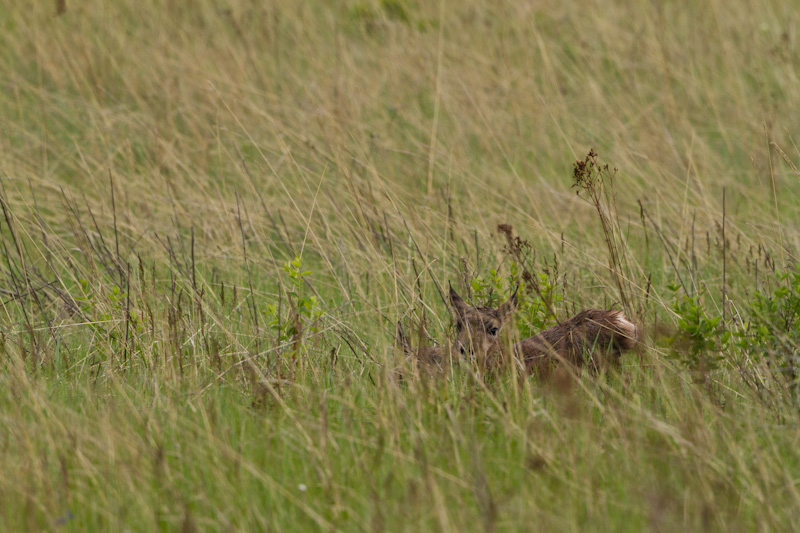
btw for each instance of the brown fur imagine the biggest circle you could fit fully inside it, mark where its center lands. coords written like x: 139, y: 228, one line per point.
x: 479, y: 329
x: 595, y: 337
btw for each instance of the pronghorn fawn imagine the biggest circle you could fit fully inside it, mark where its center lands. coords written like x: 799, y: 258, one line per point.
x: 593, y: 337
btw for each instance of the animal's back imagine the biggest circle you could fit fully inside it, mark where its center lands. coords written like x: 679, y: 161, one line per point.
x: 592, y: 336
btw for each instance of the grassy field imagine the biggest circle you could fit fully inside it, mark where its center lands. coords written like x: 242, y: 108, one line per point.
x: 216, y: 211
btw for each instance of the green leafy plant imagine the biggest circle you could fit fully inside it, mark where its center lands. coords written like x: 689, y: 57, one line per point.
x: 538, y: 297
x: 536, y: 302
x: 535, y: 297
x: 302, y: 309
x: 772, y: 332
x: 488, y: 288
x: 700, y: 336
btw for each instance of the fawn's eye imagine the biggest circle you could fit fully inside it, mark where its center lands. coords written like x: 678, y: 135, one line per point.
x: 493, y: 331
x: 463, y: 351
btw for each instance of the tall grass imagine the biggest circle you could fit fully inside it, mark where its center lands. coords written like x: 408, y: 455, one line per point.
x: 214, y: 213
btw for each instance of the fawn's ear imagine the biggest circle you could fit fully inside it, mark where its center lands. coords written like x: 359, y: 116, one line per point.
x: 508, y: 307
x: 458, y: 304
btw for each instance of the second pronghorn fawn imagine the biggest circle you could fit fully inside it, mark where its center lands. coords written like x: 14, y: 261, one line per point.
x: 593, y: 337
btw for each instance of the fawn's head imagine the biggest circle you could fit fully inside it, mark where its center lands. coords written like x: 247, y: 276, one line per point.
x: 478, y: 328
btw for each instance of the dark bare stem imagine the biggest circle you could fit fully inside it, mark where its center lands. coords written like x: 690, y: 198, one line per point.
x: 596, y: 182
x: 280, y: 323
x: 666, y: 249
x: 194, y: 269
x: 246, y: 262
x: 114, y: 213
x: 724, y: 261
x: 127, y: 313
x: 694, y: 257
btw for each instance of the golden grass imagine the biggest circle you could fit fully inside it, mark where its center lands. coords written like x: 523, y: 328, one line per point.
x: 382, y: 141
